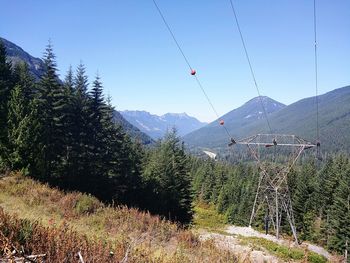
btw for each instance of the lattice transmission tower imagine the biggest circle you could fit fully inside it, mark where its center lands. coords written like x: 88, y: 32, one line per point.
x: 275, y: 155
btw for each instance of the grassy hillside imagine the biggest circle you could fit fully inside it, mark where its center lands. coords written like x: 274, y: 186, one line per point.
x: 47, y: 221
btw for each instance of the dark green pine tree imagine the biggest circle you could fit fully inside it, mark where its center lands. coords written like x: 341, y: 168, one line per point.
x: 327, y: 183
x: 67, y: 111
x: 112, y: 142
x: 50, y: 119
x: 122, y: 162
x: 166, y: 171
x: 303, y: 202
x: 340, y: 214
x: 22, y: 122
x: 6, y: 85
x: 81, y: 132
x: 97, y: 109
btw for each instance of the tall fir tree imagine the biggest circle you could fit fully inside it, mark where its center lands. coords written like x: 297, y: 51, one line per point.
x: 122, y: 160
x: 303, y: 203
x: 67, y: 110
x: 50, y: 118
x: 81, y: 132
x: 167, y: 174
x: 97, y: 110
x: 6, y: 85
x: 340, y: 213
x: 22, y: 122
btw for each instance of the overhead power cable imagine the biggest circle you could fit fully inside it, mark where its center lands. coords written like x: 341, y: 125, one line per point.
x: 250, y: 65
x: 190, y: 67
x: 318, y: 143
x: 316, y: 74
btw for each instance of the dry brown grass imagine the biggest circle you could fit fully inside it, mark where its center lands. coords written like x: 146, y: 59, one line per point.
x: 60, y: 244
x: 64, y: 223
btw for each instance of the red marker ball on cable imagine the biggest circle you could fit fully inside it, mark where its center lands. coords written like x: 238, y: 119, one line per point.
x: 222, y: 122
x: 193, y: 72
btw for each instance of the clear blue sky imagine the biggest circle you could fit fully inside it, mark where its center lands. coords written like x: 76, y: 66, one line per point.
x: 127, y: 42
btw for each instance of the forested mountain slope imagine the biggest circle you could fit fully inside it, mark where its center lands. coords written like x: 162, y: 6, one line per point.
x: 16, y: 54
x: 235, y: 120
x: 298, y: 118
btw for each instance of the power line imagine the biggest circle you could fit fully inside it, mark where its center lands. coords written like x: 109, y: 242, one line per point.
x: 316, y: 73
x: 172, y: 34
x: 189, y: 65
x: 250, y: 65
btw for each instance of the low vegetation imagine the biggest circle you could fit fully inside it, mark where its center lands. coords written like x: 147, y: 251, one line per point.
x: 206, y: 217
x: 281, y: 251
x: 37, y: 217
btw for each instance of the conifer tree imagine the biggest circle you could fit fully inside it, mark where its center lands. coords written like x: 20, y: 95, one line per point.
x: 167, y: 171
x: 22, y: 122
x: 68, y: 126
x: 6, y: 85
x: 81, y: 131
x: 121, y: 160
x: 340, y: 214
x: 50, y: 119
x: 303, y: 203
x: 97, y: 110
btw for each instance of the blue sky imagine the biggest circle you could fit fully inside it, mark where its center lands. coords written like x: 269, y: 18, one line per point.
x: 141, y: 68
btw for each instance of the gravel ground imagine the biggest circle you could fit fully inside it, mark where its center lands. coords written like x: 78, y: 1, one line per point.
x: 248, y: 254
x: 250, y: 232
x: 245, y: 253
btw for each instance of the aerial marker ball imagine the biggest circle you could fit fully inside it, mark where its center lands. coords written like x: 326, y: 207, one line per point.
x: 193, y: 72
x: 222, y: 122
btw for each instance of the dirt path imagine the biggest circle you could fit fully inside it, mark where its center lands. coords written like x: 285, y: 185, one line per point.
x: 245, y: 253
x: 250, y: 232
x: 230, y: 240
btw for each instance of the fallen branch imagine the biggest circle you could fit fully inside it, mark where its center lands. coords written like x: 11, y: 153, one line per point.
x: 80, y: 257
x: 23, y: 259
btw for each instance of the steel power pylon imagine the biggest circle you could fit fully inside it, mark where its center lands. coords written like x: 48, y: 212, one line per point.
x: 274, y: 169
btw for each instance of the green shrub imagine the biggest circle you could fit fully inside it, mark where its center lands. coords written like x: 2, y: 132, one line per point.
x: 281, y: 251
x: 316, y: 258
x: 25, y: 231
x: 86, y: 204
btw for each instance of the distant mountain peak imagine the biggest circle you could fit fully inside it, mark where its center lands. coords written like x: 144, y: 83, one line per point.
x: 265, y: 100
x: 156, y: 126
x: 251, y: 110
x: 297, y: 118
x: 182, y: 115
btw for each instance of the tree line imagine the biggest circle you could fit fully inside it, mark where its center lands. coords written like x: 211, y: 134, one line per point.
x: 320, y: 194
x: 63, y: 133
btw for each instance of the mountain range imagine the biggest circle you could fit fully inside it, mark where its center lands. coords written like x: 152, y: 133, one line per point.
x: 298, y: 118
x: 156, y: 126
